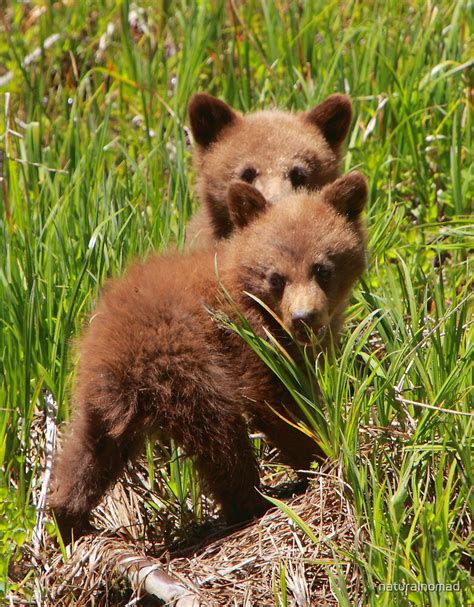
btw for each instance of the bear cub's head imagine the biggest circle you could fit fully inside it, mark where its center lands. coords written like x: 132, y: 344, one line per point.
x: 302, y: 256
x: 277, y: 152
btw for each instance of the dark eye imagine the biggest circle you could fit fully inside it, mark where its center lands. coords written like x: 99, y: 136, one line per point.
x: 249, y: 174
x: 298, y: 177
x: 321, y: 272
x: 276, y: 281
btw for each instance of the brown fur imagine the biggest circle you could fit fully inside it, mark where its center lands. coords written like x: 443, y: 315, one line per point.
x: 277, y: 152
x: 152, y: 359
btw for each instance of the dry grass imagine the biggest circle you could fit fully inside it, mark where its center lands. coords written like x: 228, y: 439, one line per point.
x: 221, y: 566
x: 242, y: 568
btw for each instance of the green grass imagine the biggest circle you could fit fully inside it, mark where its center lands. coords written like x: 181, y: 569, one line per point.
x: 96, y: 170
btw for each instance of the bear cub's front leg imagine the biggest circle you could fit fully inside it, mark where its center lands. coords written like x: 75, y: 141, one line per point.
x: 228, y: 466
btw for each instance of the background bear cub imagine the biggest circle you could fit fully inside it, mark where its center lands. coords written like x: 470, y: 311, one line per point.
x: 277, y: 152
x: 153, y: 359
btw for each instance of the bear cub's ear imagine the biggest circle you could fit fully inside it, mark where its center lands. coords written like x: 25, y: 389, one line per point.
x: 208, y: 116
x: 348, y: 194
x: 245, y: 203
x: 333, y: 118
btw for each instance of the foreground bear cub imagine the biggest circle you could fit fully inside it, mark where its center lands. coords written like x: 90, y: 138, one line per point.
x: 277, y: 152
x: 154, y: 360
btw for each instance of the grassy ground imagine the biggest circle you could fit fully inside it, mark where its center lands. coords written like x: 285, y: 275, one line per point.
x: 96, y: 170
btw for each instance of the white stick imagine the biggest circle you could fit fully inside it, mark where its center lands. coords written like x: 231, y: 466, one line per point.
x: 147, y: 574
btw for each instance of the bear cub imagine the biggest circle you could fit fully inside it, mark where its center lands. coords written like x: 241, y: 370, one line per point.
x: 277, y: 152
x: 153, y: 359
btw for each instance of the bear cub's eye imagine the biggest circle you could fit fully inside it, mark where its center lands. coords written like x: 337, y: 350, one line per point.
x: 249, y: 174
x: 321, y: 272
x: 298, y: 176
x: 276, y: 281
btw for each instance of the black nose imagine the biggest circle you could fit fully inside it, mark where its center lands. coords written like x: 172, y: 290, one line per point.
x: 303, y: 316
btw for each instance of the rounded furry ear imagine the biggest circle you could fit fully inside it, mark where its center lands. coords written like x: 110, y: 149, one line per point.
x: 245, y: 203
x: 332, y: 117
x: 208, y: 116
x: 348, y: 194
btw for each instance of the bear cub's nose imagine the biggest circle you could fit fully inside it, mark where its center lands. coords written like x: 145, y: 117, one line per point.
x: 303, y: 316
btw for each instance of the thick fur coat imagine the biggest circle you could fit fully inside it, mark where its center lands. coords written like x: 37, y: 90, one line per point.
x: 153, y: 360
